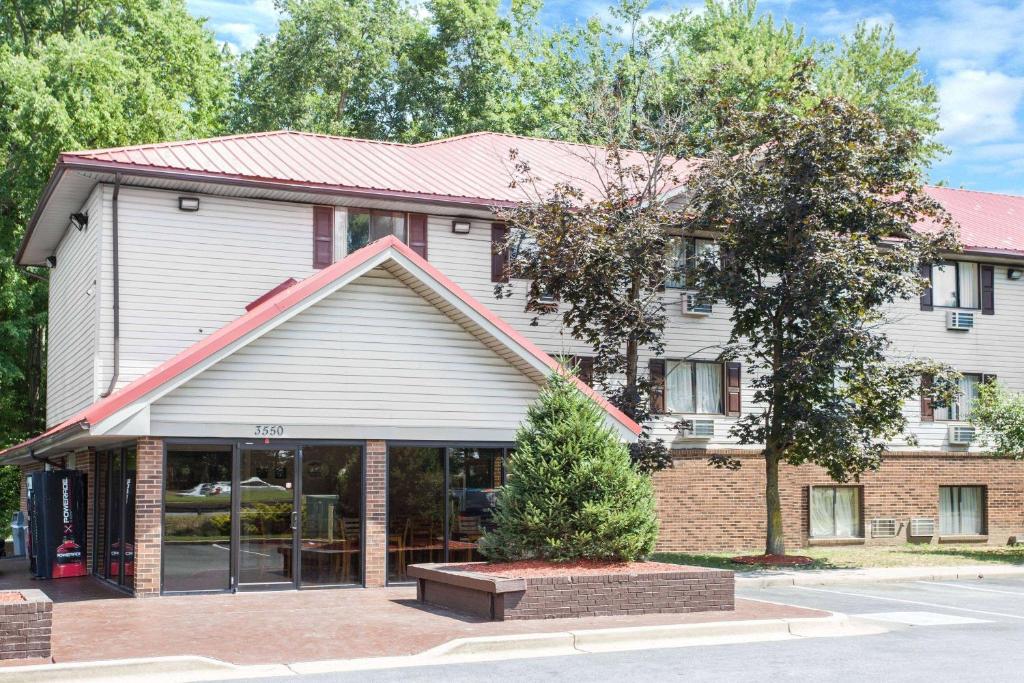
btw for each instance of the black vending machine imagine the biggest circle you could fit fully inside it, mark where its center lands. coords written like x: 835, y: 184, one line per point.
x: 56, y: 523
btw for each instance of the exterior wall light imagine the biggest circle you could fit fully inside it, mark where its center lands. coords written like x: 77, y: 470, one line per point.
x: 461, y: 227
x: 1014, y: 273
x: 188, y: 203
x: 80, y: 220
x: 51, y: 261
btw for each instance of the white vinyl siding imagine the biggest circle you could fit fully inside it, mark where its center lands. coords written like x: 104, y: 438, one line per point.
x: 186, y: 274
x: 374, y: 355
x: 73, y: 309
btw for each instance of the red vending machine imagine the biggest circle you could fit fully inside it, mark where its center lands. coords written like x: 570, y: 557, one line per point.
x: 56, y: 522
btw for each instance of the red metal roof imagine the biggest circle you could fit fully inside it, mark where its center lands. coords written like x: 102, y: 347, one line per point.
x: 469, y: 168
x: 279, y: 303
x: 477, y: 166
x: 988, y: 222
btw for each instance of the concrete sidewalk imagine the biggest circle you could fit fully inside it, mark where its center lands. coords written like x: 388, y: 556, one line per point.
x: 774, y: 578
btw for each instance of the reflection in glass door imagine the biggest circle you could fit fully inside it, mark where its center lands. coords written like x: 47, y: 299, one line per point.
x: 267, y: 517
x: 474, y: 477
x: 114, y: 531
x: 331, y: 511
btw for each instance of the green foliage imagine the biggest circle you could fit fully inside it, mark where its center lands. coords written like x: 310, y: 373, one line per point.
x: 815, y: 208
x: 999, y: 415
x: 571, y: 492
x: 82, y: 76
x: 10, y: 497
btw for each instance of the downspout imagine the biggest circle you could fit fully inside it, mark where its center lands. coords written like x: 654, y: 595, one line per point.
x: 117, y: 290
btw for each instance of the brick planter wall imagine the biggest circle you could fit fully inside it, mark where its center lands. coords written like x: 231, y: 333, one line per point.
x: 706, y: 509
x: 25, y: 625
x: 689, y: 589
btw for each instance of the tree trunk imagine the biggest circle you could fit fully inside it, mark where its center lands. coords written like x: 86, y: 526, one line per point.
x: 775, y: 543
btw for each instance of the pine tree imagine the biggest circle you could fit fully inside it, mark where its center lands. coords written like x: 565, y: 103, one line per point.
x: 571, y: 491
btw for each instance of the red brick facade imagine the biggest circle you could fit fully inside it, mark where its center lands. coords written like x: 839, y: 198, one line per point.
x: 376, y: 513
x: 702, y: 508
x: 148, y: 516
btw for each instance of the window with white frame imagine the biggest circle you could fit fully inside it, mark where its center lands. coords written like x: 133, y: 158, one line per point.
x: 835, y: 512
x: 961, y: 510
x: 970, y: 384
x: 693, y: 387
x: 685, y: 251
x: 956, y: 284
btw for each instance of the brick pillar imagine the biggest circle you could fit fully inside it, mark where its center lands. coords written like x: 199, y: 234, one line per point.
x: 376, y: 513
x: 25, y: 470
x: 148, y: 504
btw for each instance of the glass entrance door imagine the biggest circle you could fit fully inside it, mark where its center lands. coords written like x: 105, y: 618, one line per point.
x: 331, y: 512
x: 268, y: 518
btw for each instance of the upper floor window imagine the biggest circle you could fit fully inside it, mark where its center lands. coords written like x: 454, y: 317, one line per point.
x: 694, y: 387
x: 336, y: 239
x: 684, y: 252
x: 970, y: 384
x: 956, y: 284
x: 365, y: 226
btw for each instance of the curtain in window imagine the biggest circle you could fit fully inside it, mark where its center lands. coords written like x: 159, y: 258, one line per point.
x: 949, y: 518
x: 968, y: 285
x: 677, y: 257
x: 709, y: 388
x: 944, y: 284
x: 679, y: 387
x: 970, y: 509
x: 822, y: 522
x: 970, y: 385
x: 847, y: 512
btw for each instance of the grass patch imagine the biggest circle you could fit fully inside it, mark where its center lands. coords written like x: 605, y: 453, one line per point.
x: 860, y: 557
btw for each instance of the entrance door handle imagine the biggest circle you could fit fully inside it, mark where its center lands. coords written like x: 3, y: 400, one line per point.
x: 295, y: 520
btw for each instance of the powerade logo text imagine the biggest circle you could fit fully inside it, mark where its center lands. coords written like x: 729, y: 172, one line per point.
x: 65, y: 493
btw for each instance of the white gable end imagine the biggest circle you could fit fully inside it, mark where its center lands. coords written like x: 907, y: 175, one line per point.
x: 373, y: 360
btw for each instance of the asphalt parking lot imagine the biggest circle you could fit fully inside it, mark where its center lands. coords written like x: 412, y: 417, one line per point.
x: 967, y: 631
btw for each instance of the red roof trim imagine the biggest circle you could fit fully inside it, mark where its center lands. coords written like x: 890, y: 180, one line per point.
x: 280, y: 302
x: 271, y: 293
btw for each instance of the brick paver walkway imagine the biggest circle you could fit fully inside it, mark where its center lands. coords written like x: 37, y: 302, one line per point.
x: 295, y: 626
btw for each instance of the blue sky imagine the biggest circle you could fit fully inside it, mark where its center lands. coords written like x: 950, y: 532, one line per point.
x: 971, y: 49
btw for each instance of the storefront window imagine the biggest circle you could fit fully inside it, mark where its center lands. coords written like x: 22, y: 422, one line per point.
x: 197, y: 519
x: 474, y: 477
x: 415, y: 508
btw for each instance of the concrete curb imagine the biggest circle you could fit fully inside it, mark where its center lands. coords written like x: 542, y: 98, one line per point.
x: 184, y: 669
x: 827, y: 577
x: 162, y: 669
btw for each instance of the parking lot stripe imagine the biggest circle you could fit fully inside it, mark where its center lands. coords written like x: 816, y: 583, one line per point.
x: 971, y: 588
x: 912, y: 602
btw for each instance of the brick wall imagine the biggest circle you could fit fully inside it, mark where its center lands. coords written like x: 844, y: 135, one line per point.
x: 701, y: 508
x: 376, y: 514
x: 25, y: 625
x: 148, y: 512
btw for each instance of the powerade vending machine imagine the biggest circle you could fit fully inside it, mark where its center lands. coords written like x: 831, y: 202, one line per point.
x: 56, y: 521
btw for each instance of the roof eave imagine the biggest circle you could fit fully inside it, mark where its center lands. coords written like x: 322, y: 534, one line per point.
x: 51, y: 185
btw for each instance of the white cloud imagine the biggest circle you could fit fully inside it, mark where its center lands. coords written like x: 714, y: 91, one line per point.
x: 979, y: 106
x: 238, y: 35
x: 238, y: 23
x: 841, y: 22
x: 979, y: 34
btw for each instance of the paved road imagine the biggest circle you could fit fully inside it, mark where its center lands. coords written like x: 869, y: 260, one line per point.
x: 941, y: 631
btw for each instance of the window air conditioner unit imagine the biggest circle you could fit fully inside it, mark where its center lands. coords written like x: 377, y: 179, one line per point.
x: 883, y: 528
x: 961, y: 435
x: 959, y: 320
x: 699, y: 430
x: 922, y: 527
x: 695, y: 304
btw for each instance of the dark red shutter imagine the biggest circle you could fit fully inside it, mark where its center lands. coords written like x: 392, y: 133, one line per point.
x: 657, y: 369
x: 927, y: 409
x: 323, y: 236
x: 926, y: 295
x: 988, y: 290
x: 584, y: 369
x: 418, y: 233
x: 733, y: 381
x: 499, y: 253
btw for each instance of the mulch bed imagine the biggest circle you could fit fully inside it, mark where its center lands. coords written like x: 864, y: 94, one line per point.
x: 773, y: 560
x: 531, y: 568
x: 12, y: 596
